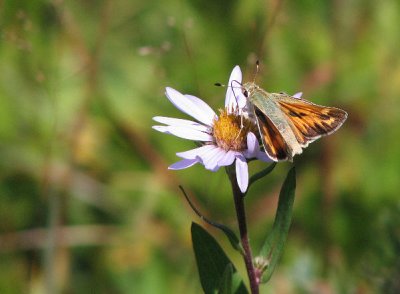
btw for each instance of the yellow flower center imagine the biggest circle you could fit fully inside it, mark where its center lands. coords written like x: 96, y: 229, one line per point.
x: 230, y: 131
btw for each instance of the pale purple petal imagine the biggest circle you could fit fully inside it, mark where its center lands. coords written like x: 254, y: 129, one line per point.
x: 185, y: 163
x: 252, y: 145
x: 216, y: 168
x: 240, y: 98
x: 189, y: 106
x: 185, y: 133
x: 298, y: 95
x: 197, y: 152
x: 242, y: 173
x: 208, y: 113
x: 181, y: 122
x: 261, y: 155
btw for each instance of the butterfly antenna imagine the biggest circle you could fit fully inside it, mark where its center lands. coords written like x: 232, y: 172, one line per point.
x: 257, y: 70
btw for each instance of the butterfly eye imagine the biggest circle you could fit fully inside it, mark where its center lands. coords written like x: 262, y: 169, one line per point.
x: 245, y: 93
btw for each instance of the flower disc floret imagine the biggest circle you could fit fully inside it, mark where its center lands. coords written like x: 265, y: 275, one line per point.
x: 230, y: 131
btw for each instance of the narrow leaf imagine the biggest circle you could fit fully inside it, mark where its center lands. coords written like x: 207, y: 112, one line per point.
x: 212, y: 262
x: 233, y: 239
x: 275, y: 242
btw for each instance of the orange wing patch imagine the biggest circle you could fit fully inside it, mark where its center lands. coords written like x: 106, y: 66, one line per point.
x: 311, y: 121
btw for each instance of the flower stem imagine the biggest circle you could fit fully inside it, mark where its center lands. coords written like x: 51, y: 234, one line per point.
x: 238, y: 197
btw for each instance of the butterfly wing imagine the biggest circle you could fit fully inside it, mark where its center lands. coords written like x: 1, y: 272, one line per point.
x: 273, y: 142
x: 310, y: 121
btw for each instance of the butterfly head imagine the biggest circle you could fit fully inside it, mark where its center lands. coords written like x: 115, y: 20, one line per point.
x: 249, y: 88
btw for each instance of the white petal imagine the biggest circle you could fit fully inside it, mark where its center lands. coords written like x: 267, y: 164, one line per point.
x: 197, y: 152
x: 213, y: 163
x: 242, y: 173
x: 210, y: 159
x: 184, y: 132
x: 234, y: 96
x: 298, y: 95
x: 235, y: 80
x: 181, y: 122
x: 185, y: 163
x: 241, y: 99
x: 189, y: 106
x: 227, y: 159
x: 207, y: 112
x: 162, y: 129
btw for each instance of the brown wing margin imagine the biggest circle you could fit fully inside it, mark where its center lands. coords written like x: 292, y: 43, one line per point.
x: 273, y: 142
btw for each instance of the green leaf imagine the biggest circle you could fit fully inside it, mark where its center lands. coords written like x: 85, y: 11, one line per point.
x: 233, y: 239
x: 273, y: 247
x: 238, y: 286
x: 213, y: 264
x: 226, y: 281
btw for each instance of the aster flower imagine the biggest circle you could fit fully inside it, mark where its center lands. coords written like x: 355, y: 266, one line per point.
x: 225, y: 139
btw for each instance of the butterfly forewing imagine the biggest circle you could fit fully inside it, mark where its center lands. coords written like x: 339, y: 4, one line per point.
x: 311, y: 121
x: 273, y: 142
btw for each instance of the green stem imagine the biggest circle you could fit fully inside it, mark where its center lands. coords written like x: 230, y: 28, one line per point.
x: 238, y: 197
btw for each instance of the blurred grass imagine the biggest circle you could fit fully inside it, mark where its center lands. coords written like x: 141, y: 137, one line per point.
x: 86, y: 201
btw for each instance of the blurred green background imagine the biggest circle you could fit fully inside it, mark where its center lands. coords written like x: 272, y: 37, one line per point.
x: 87, y: 204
